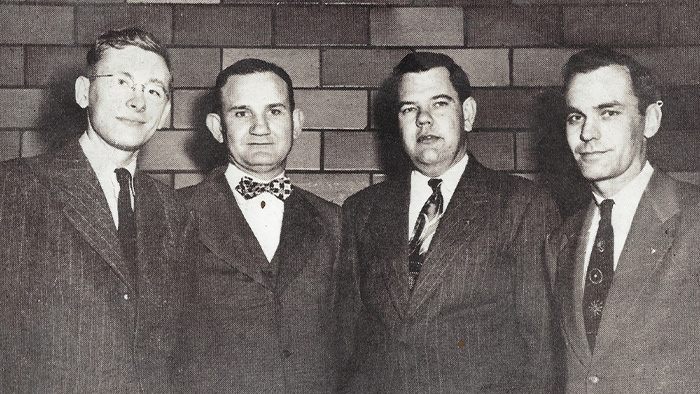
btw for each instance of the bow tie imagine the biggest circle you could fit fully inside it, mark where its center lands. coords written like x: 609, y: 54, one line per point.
x: 279, y: 187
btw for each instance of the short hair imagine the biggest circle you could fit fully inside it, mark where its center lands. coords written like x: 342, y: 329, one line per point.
x: 644, y: 85
x: 121, y: 38
x: 250, y: 66
x: 416, y: 62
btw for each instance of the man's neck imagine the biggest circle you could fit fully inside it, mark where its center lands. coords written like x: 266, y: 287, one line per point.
x: 102, y: 155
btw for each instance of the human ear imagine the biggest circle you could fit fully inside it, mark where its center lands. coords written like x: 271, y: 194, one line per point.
x: 297, y: 122
x: 82, y: 91
x: 652, y: 119
x: 214, y: 126
x: 469, y: 112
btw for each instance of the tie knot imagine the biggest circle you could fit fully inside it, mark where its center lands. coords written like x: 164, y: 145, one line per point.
x: 606, y: 207
x: 123, y: 177
x: 279, y: 187
x: 435, y: 183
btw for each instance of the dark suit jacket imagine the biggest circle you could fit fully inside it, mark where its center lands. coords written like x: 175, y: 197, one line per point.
x: 649, y: 336
x: 478, y: 318
x: 259, y: 326
x: 73, y: 315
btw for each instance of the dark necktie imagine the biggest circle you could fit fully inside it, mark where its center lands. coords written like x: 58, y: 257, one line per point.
x: 599, y: 275
x: 127, y: 222
x: 426, y: 224
x: 279, y: 187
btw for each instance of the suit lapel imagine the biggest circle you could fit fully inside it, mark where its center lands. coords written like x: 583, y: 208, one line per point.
x: 569, y: 281
x: 301, y: 232
x: 224, y: 230
x: 649, y: 239
x: 462, y: 220
x: 387, y: 231
x: 85, y: 206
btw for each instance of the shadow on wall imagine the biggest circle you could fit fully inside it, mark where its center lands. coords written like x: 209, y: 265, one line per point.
x: 557, y: 171
x: 205, y: 152
x: 392, y: 157
x: 60, y: 119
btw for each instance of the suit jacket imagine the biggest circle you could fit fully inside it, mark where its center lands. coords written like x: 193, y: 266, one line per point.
x: 74, y: 316
x: 259, y: 326
x: 478, y: 317
x: 649, y: 336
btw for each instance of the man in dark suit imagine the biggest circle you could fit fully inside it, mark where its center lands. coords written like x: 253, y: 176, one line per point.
x: 90, y: 279
x: 445, y: 288
x: 262, y: 320
x: 626, y: 266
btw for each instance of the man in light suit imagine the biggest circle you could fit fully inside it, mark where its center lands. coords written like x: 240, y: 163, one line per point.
x: 90, y: 270
x: 445, y: 287
x: 626, y: 266
x: 262, y: 319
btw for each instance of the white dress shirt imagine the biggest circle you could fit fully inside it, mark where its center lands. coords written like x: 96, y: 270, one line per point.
x: 263, y: 213
x: 102, y: 163
x: 421, y: 191
x: 626, y: 202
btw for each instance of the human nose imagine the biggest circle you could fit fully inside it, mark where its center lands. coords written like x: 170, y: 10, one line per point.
x: 260, y: 126
x: 423, y: 118
x: 589, y: 130
x: 137, y: 100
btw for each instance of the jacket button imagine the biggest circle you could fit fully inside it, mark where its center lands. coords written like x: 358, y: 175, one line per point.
x: 126, y: 297
x: 286, y: 353
x: 593, y: 379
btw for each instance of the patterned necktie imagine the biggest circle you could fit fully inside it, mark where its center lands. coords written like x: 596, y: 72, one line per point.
x: 599, y: 276
x: 279, y: 187
x: 426, y: 224
x: 127, y: 222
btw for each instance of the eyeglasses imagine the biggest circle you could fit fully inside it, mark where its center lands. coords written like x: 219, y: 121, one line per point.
x: 153, y: 92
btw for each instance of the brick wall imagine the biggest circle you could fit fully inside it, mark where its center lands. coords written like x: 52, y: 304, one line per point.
x: 337, y: 53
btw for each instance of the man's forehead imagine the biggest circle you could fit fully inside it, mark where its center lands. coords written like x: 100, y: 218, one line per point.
x: 434, y: 81
x: 604, y: 84
x: 131, y: 59
x: 257, y: 86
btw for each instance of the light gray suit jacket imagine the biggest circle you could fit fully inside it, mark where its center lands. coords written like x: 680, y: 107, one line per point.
x: 649, y: 336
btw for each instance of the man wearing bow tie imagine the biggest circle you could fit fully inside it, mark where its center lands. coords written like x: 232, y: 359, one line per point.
x: 261, y: 308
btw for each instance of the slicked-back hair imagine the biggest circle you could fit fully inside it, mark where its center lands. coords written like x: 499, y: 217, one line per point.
x: 121, y: 38
x: 416, y: 62
x: 644, y: 85
x: 246, y: 67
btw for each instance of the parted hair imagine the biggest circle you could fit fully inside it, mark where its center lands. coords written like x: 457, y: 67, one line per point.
x: 121, y: 38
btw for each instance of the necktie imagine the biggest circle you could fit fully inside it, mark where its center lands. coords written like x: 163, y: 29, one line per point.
x: 599, y: 275
x: 425, y: 226
x: 279, y: 187
x: 127, y: 222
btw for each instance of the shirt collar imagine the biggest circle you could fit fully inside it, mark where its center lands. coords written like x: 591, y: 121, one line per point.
x: 450, y: 178
x: 234, y: 175
x: 631, y: 194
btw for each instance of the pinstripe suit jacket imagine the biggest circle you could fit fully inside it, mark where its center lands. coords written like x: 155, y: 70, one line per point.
x: 73, y: 316
x: 259, y: 326
x: 649, y: 336
x: 478, y: 318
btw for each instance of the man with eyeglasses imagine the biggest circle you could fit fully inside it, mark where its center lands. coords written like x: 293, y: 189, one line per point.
x: 90, y: 274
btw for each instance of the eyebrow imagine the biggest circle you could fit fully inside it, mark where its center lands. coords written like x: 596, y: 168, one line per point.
x: 436, y: 97
x: 613, y: 103
x: 239, y: 107
x: 150, y: 80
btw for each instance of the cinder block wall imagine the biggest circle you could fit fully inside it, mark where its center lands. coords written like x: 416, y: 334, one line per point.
x: 337, y: 53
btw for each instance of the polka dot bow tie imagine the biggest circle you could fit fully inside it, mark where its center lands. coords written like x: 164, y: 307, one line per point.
x: 279, y: 187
